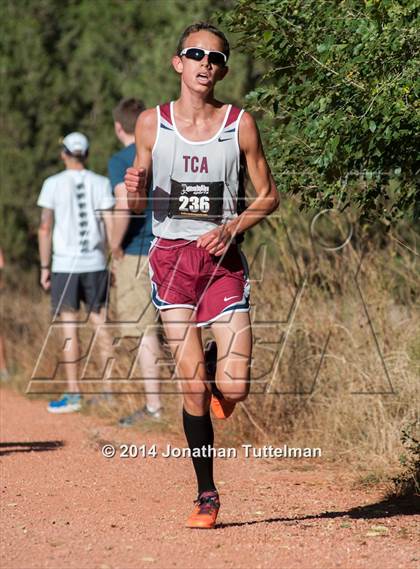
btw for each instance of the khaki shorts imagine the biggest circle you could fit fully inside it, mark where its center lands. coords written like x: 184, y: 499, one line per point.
x: 130, y: 298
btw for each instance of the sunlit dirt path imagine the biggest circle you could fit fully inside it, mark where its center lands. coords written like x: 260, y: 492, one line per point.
x: 63, y: 505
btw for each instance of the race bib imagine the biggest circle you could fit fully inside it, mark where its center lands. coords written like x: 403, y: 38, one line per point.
x: 196, y: 200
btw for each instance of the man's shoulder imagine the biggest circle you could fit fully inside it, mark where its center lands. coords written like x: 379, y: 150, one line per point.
x: 247, y: 119
x: 146, y: 128
x: 54, y: 178
x: 125, y: 155
x: 96, y: 178
x: 150, y: 112
x: 147, y: 119
x: 50, y: 188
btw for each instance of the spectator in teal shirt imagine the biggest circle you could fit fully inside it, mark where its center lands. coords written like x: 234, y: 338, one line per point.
x: 136, y: 230
x: 132, y: 235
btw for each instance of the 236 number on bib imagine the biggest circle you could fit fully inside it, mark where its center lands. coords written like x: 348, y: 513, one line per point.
x: 194, y: 204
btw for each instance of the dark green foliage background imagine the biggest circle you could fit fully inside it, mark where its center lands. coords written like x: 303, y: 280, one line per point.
x: 64, y: 66
x: 333, y: 82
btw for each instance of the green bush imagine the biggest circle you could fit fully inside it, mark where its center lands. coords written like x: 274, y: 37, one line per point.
x: 340, y: 93
x: 408, y: 483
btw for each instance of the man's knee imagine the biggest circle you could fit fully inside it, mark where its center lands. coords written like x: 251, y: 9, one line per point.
x: 196, y: 399
x: 235, y: 393
x: 191, y: 370
x: 234, y: 382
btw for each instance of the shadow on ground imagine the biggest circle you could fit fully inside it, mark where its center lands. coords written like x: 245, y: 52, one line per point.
x: 385, y: 509
x: 29, y: 446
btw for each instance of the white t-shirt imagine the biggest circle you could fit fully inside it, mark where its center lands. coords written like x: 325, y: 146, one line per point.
x: 77, y: 198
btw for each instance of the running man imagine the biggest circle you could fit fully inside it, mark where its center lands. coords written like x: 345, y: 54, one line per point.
x: 192, y: 152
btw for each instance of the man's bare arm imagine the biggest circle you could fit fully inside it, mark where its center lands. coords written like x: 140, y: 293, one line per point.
x: 120, y: 220
x: 109, y: 224
x: 44, y: 244
x: 259, y: 173
x: 217, y: 240
x: 138, y: 177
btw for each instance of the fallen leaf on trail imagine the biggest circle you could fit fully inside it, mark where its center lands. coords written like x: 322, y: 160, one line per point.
x: 377, y: 531
x: 381, y: 529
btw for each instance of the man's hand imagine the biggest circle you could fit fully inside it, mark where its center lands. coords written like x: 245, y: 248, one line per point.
x: 135, y: 180
x: 45, y: 279
x: 217, y: 241
x: 113, y: 276
x: 117, y: 253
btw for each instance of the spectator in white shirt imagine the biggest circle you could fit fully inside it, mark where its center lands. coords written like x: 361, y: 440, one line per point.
x: 75, y: 225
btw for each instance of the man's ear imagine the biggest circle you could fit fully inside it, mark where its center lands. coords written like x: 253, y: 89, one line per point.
x: 177, y: 64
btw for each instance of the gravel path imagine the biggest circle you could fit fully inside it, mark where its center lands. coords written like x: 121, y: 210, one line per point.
x: 66, y: 506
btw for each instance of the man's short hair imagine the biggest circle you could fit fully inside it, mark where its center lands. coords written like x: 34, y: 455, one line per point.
x: 198, y: 27
x: 77, y: 156
x: 127, y: 112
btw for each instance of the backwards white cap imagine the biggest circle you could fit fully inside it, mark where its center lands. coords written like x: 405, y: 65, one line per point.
x: 76, y: 143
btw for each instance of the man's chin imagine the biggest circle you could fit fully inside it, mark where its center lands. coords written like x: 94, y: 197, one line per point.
x: 198, y: 87
x: 205, y: 83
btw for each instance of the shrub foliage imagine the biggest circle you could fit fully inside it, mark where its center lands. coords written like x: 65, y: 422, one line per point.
x: 340, y: 89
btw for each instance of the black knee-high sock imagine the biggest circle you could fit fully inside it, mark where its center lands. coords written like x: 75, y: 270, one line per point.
x: 210, y: 361
x: 199, y: 433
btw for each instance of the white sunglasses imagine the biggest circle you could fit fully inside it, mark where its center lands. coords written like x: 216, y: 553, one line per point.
x: 198, y: 53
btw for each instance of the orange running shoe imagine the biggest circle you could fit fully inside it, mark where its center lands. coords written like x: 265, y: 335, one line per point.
x: 221, y: 407
x: 205, y: 512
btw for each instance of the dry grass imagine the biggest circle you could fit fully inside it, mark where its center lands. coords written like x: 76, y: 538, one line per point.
x: 337, y: 345
x: 345, y: 333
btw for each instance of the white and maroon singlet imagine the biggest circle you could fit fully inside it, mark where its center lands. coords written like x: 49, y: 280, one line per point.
x: 196, y: 184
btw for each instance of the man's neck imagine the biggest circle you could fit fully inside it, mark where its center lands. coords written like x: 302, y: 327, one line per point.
x: 128, y: 139
x: 195, y: 106
x: 75, y: 166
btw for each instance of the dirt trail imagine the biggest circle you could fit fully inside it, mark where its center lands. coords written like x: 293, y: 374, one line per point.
x: 68, y: 507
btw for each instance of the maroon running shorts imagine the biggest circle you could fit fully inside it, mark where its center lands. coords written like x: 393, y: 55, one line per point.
x: 186, y: 276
